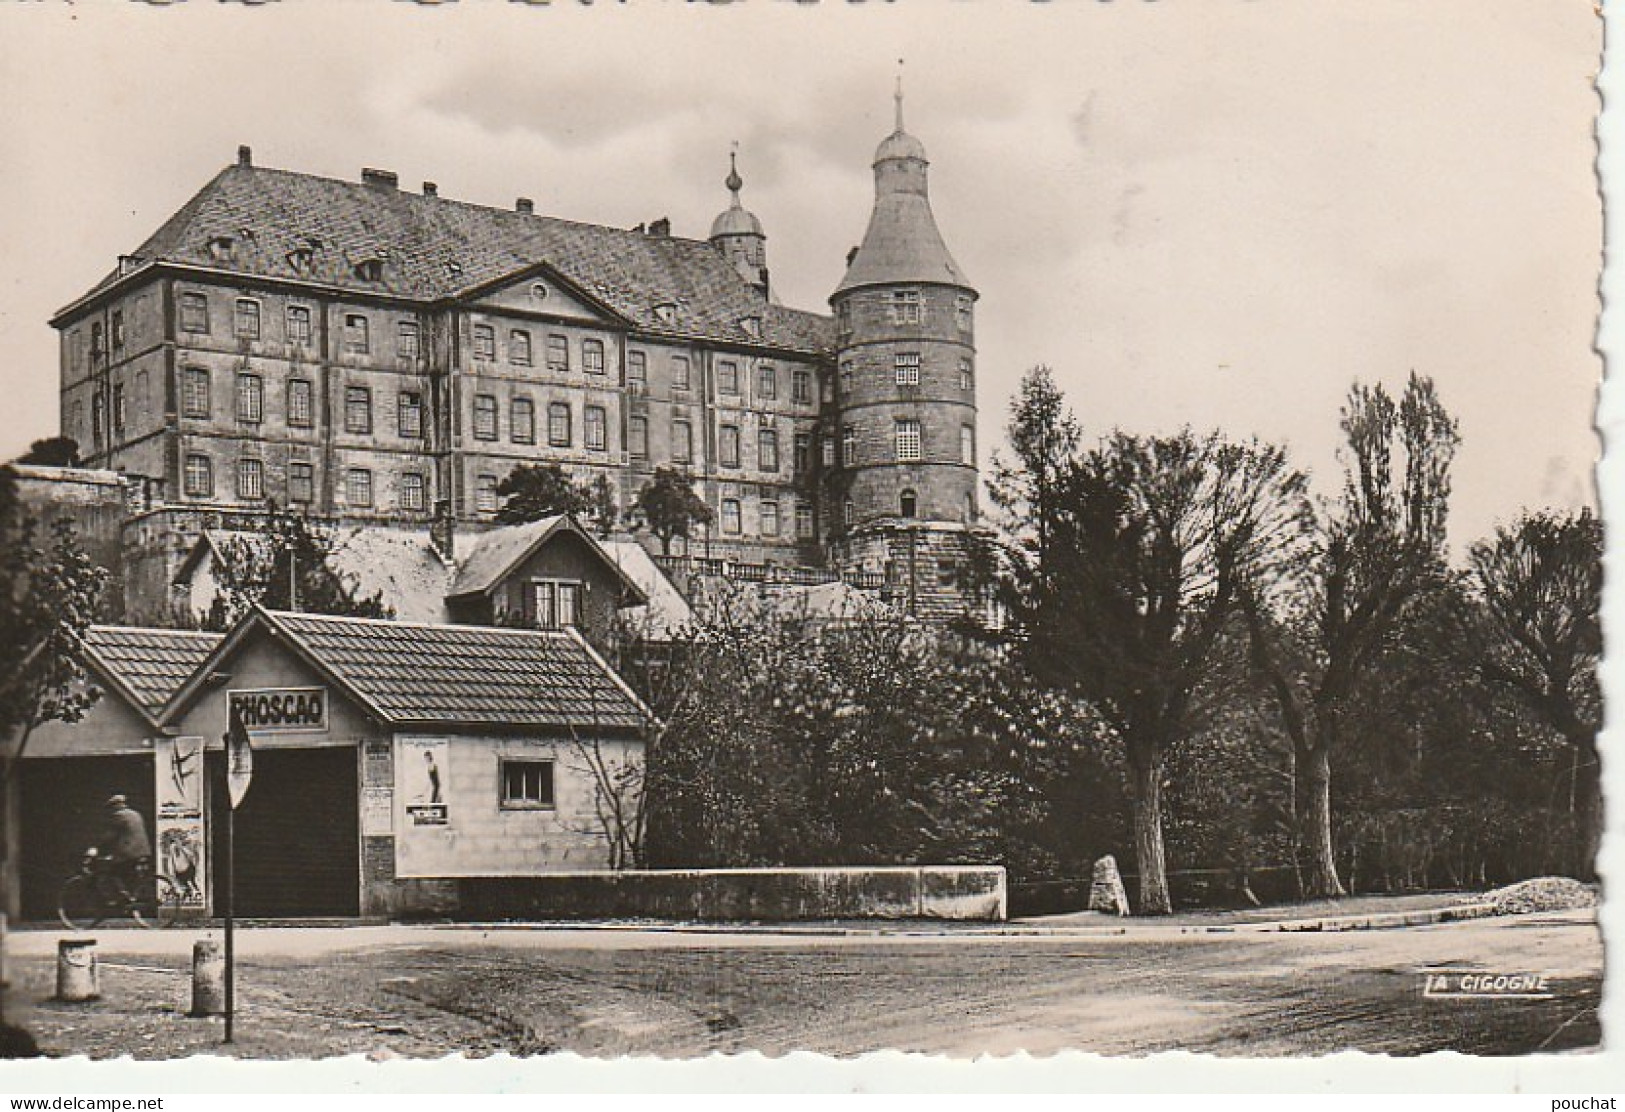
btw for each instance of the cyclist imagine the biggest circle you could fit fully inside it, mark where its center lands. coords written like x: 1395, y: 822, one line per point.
x: 125, y: 852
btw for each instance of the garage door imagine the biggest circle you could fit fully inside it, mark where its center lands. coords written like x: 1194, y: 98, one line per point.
x: 63, y: 809
x: 297, y: 836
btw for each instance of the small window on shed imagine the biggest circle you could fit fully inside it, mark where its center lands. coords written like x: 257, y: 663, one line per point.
x: 527, y: 785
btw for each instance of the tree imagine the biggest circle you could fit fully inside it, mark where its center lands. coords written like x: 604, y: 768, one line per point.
x: 53, y: 451
x: 1537, y: 636
x: 287, y: 565
x: 1151, y: 544
x: 49, y: 593
x: 1373, y: 553
x: 669, y: 506
x: 531, y: 492
x: 1044, y: 436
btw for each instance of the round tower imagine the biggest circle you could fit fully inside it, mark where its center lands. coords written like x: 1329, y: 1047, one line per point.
x: 905, y: 399
x: 739, y: 236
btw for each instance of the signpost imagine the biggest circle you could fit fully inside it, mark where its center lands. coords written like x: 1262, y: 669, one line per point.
x: 239, y: 771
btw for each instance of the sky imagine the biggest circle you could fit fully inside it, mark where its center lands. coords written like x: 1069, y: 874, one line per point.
x: 1220, y: 215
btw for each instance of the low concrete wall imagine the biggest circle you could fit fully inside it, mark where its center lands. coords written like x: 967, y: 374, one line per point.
x: 965, y: 892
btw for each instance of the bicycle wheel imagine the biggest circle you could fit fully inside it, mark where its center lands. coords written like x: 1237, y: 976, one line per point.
x: 81, y: 904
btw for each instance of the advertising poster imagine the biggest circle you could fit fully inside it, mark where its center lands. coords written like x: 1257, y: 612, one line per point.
x: 420, y: 774
x: 179, y: 768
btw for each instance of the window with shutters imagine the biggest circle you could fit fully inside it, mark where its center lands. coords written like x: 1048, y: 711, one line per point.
x: 406, y: 339
x: 250, y: 479
x: 195, y: 392
x: 250, y: 399
x: 728, y: 446
x: 554, y: 603
x: 637, y: 437
x: 485, y: 417
x: 357, y: 409
x: 485, y: 342
x: 199, y: 476
x: 299, y: 324
x: 248, y: 319
x: 908, y: 368
x: 522, y: 421
x: 414, y: 491
x: 907, y: 434
x: 358, y: 486
x: 767, y: 449
x: 594, y: 428
x: 301, y: 403
x: 194, y: 313
x: 301, y: 483
x: 519, y: 348
x: 558, y: 424
x: 592, y: 356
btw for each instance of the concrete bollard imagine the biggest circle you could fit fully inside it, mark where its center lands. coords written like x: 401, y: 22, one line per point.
x: 208, y: 978
x: 77, y: 977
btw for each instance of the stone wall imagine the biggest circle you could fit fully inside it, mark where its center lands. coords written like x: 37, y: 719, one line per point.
x: 951, y: 892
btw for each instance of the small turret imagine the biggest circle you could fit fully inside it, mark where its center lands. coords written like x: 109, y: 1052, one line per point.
x: 739, y: 236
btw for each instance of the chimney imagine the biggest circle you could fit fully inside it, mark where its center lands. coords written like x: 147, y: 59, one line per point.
x: 661, y: 227
x: 381, y: 179
x: 430, y: 189
x: 245, y: 155
x: 443, y: 532
x: 525, y: 205
x: 850, y: 255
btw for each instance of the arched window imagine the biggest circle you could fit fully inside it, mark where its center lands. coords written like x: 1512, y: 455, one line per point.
x: 910, y: 504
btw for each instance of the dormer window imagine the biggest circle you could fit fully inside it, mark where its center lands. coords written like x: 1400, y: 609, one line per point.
x: 454, y: 269
x: 300, y: 258
x: 752, y: 326
x: 370, y: 269
x: 665, y: 312
x: 538, y: 292
x: 220, y: 247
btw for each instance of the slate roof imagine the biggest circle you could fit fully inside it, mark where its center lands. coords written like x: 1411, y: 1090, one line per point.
x: 255, y: 221
x: 150, y: 663
x: 902, y: 243
x: 495, y: 553
x: 411, y: 674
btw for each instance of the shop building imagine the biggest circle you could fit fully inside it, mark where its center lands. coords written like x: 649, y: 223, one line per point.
x: 391, y: 760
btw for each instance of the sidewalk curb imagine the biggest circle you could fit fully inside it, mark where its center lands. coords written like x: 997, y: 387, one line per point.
x: 1385, y: 920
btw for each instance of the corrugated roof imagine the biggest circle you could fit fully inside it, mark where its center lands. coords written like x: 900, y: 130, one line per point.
x: 151, y: 663
x: 267, y: 223
x: 467, y: 675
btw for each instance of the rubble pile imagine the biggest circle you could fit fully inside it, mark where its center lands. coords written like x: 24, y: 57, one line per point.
x: 1546, y: 893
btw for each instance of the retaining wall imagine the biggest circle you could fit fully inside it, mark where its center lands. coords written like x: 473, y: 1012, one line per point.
x: 962, y: 892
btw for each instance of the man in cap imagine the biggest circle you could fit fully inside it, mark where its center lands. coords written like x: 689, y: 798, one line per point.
x: 125, y: 851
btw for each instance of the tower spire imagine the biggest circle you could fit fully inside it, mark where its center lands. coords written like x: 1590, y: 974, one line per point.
x: 898, y: 97
x: 733, y: 181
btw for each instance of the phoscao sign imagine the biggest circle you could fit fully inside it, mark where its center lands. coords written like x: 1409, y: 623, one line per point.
x: 281, y: 709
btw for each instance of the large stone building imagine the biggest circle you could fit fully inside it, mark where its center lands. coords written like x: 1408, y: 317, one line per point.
x: 374, y: 354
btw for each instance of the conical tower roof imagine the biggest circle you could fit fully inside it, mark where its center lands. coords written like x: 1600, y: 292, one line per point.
x: 902, y: 243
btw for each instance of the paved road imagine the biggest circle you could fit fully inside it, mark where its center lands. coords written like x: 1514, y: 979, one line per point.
x: 417, y: 990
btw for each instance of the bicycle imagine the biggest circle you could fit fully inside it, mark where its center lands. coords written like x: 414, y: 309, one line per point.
x: 96, y: 893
